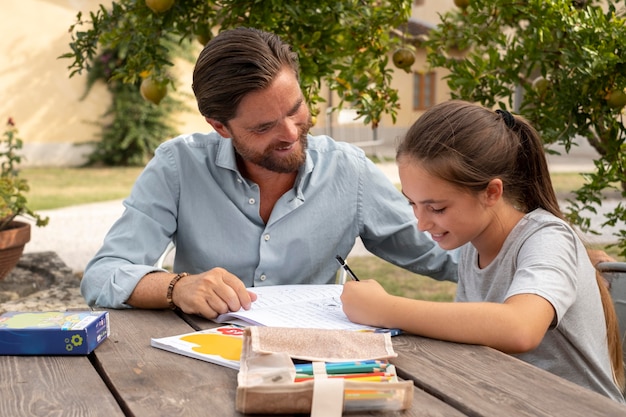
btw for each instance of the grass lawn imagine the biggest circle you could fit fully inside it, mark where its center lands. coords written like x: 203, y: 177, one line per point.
x: 399, y: 281
x: 52, y: 188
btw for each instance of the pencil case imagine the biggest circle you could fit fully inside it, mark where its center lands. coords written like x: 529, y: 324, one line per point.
x: 266, y: 379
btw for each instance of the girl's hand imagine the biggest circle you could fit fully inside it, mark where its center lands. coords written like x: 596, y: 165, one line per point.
x: 364, y: 302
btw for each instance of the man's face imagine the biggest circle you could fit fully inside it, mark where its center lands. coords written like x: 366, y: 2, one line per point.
x: 271, y: 126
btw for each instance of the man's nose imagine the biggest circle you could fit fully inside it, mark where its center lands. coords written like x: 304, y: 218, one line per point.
x: 289, y: 131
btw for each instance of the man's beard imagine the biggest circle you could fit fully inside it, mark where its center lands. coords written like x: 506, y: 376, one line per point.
x: 268, y: 160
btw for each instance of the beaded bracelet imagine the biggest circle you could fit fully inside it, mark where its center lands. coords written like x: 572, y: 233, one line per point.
x: 170, y: 289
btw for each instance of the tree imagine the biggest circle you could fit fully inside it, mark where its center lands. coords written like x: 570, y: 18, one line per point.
x: 344, y: 43
x: 133, y: 126
x: 559, y: 63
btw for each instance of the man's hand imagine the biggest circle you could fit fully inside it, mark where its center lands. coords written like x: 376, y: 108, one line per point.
x: 208, y: 294
x: 212, y: 293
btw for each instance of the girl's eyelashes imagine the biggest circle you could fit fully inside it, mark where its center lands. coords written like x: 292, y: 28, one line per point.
x: 431, y: 208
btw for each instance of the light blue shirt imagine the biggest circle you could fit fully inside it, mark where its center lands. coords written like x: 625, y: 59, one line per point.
x: 192, y: 193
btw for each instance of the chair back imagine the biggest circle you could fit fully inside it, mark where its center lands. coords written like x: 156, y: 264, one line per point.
x: 167, y: 255
x: 615, y: 274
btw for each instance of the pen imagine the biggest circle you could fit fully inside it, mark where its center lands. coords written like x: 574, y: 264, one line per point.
x: 346, y: 267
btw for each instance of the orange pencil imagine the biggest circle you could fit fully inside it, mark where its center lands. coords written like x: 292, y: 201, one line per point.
x: 372, y: 376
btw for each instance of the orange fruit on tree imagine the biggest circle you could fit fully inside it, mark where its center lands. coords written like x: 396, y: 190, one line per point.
x: 159, y: 6
x: 153, y: 90
x: 616, y: 99
x: 541, y: 85
x: 461, y: 3
x: 203, y: 34
x: 403, y: 58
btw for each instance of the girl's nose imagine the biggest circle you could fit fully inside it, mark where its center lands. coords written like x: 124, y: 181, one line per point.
x: 423, y: 224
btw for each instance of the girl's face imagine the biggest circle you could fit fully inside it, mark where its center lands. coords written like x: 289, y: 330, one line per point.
x: 450, y: 214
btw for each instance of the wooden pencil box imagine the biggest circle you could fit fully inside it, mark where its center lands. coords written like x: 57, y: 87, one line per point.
x: 267, y: 373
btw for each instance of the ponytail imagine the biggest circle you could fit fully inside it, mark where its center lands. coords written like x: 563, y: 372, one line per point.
x: 613, y: 334
x: 540, y: 193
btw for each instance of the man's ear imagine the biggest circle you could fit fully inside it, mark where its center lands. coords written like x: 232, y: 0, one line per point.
x: 219, y: 127
x: 494, y: 190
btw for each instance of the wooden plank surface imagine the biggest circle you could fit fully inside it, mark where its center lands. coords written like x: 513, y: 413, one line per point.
x: 480, y: 381
x: 154, y: 382
x: 450, y: 379
x: 53, y: 386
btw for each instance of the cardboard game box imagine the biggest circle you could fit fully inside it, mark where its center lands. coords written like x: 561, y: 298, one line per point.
x: 52, y: 332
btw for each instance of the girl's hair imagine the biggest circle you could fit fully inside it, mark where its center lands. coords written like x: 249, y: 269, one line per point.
x: 469, y: 145
x: 235, y: 63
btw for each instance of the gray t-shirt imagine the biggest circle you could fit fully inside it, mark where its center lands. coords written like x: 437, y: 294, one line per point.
x: 544, y: 256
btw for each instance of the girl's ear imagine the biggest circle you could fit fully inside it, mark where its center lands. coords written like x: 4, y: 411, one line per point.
x: 219, y: 127
x: 493, y: 192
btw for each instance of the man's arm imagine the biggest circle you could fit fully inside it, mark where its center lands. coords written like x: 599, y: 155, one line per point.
x: 208, y: 294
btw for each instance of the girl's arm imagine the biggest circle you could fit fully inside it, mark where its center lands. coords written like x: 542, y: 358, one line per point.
x: 518, y: 325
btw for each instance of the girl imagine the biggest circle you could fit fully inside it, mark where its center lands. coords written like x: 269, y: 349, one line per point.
x: 479, y: 179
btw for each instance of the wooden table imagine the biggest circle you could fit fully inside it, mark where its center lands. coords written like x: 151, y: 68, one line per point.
x: 125, y: 376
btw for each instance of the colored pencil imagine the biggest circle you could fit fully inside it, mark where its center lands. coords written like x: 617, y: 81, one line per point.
x: 345, y: 367
x: 307, y: 377
x: 373, y: 378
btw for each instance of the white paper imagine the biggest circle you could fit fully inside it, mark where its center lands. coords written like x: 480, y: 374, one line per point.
x: 302, y: 306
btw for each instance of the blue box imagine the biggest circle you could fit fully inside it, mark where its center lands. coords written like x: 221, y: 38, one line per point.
x: 52, y: 332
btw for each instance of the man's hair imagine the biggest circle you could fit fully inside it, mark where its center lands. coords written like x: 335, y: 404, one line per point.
x: 235, y: 63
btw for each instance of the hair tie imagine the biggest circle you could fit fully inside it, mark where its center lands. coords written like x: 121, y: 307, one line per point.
x: 509, y: 119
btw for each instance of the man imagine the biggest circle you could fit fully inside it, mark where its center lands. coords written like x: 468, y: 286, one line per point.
x: 257, y: 202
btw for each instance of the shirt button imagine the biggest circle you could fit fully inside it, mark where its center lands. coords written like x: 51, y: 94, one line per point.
x: 251, y: 201
x: 266, y: 237
x: 263, y: 277
x: 239, y: 180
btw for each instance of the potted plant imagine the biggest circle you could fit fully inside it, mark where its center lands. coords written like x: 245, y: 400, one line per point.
x: 14, y: 234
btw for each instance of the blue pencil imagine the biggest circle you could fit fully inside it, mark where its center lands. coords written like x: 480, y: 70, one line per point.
x: 331, y: 364
x: 345, y: 367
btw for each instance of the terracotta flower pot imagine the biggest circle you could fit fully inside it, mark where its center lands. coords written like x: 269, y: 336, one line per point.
x: 12, y: 241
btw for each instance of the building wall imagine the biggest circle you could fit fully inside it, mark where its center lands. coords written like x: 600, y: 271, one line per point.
x: 52, y: 118
x: 57, y: 123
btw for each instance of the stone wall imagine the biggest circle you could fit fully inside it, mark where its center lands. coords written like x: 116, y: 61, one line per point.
x: 41, y: 282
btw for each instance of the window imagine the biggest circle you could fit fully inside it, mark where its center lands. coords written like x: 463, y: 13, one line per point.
x: 423, y: 90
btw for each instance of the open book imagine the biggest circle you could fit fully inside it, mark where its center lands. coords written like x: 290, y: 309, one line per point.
x: 303, y: 306
x: 300, y: 306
